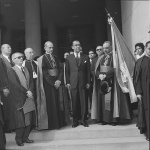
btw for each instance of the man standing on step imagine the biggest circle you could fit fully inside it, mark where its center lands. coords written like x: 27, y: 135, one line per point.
x: 77, y: 80
x: 22, y: 109
x: 141, y: 81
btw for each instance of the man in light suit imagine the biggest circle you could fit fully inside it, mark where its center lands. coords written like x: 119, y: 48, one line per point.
x: 78, y: 79
x: 23, y: 107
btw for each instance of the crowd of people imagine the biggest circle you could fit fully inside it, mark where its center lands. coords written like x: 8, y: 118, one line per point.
x: 47, y: 94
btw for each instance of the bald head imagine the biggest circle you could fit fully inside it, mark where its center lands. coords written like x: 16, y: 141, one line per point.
x: 6, y: 49
x: 29, y: 53
x: 48, y: 46
x: 107, y: 47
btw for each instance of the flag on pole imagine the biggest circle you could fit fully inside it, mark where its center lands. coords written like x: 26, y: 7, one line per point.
x: 123, y: 61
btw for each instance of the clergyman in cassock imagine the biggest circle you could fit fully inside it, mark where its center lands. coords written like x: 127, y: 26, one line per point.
x: 31, y: 65
x: 103, y: 92
x: 49, y: 79
x: 141, y: 80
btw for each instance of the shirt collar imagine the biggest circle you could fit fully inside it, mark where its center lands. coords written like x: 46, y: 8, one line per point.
x: 19, y: 67
x: 7, y: 57
x: 75, y: 54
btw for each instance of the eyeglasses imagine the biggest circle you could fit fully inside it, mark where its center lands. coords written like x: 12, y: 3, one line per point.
x: 31, y: 53
x: 19, y: 57
x: 100, y: 49
x: 91, y: 53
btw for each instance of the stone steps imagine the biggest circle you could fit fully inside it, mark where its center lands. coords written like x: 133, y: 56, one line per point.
x: 124, y: 143
x: 94, y: 137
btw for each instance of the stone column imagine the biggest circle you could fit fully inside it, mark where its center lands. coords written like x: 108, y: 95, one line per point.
x: 52, y: 35
x: 33, y: 26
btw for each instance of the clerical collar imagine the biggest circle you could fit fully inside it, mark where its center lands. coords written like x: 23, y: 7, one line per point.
x: 48, y: 53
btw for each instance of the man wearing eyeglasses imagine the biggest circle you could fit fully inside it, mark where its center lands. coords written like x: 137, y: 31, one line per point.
x: 5, y: 65
x: 141, y: 80
x: 99, y: 52
x: 50, y: 76
x: 22, y: 107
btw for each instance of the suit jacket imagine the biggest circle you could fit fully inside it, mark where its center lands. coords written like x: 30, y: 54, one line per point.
x: 77, y: 74
x: 4, y: 66
x: 17, y: 88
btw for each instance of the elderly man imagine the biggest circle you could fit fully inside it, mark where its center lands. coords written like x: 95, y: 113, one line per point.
x: 77, y: 80
x: 31, y: 65
x: 50, y: 76
x: 141, y: 80
x: 103, y: 101
x: 5, y: 65
x: 22, y: 104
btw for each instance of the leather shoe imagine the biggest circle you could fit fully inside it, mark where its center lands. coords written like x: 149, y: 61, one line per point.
x: 147, y: 139
x: 84, y: 123
x: 113, y: 124
x: 19, y: 143
x: 28, y: 141
x: 75, y: 124
x: 104, y: 123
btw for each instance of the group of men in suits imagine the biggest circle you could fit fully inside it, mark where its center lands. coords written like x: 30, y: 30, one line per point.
x: 27, y: 87
x: 16, y: 90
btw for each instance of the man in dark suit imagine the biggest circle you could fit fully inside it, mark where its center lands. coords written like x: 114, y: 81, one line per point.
x: 78, y: 79
x: 141, y: 80
x: 2, y: 136
x: 22, y: 105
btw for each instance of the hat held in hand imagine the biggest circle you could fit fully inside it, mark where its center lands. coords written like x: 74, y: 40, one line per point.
x: 104, y: 87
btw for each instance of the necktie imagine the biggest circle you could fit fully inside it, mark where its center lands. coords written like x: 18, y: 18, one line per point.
x: 77, y: 58
x: 22, y: 69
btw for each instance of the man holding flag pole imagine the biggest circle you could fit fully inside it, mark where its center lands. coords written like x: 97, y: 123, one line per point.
x: 122, y: 89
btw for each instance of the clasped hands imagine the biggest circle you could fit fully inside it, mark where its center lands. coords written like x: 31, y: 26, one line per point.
x: 102, y: 76
x: 6, y: 92
x: 29, y: 94
x: 57, y: 84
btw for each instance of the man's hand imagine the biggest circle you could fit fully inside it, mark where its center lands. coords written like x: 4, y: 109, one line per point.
x: 6, y: 92
x: 57, y: 84
x: 68, y: 86
x: 87, y: 85
x: 102, y: 76
x: 139, y: 96
x: 29, y: 94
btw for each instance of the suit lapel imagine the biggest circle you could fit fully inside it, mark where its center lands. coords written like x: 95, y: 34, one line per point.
x: 27, y: 76
x: 81, y: 59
